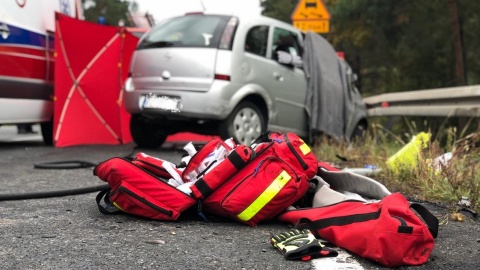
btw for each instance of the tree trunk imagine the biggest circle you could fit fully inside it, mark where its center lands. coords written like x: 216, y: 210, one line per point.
x: 457, y: 44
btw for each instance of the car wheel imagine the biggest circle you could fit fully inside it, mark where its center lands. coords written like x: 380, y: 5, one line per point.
x: 244, y: 125
x: 47, y: 132
x: 359, y: 132
x: 147, y: 133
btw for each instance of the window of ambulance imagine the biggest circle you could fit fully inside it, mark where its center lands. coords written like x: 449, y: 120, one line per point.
x: 197, y: 31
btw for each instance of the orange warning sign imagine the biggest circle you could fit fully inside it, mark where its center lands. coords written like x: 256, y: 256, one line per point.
x: 310, y: 10
x: 317, y: 26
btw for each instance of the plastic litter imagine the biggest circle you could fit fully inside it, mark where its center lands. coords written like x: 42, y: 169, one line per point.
x: 366, y: 171
x: 440, y: 162
x: 407, y: 156
x: 465, y: 202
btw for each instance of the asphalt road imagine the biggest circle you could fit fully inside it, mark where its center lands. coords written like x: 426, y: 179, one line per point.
x: 70, y: 233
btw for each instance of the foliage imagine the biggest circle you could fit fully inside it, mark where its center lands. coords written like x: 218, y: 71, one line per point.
x: 112, y: 10
x: 470, y: 21
x: 400, y: 45
x: 279, y: 9
x: 445, y: 183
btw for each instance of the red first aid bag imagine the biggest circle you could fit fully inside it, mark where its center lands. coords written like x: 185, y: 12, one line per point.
x: 209, y: 181
x: 139, y: 191
x: 297, y: 152
x: 272, y: 178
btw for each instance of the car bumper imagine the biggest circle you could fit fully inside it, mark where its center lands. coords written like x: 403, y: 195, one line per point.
x: 212, y: 105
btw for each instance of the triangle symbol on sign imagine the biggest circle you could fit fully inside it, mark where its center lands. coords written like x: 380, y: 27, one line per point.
x: 310, y: 10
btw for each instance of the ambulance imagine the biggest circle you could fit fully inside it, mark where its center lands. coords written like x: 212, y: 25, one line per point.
x: 27, y: 29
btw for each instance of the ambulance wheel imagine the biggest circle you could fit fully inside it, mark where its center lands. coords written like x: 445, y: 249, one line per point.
x: 147, y: 133
x: 47, y: 132
x: 245, y: 124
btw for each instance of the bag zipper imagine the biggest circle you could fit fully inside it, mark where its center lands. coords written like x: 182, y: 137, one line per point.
x: 146, y: 202
x: 145, y: 170
x: 292, y: 149
x: 152, y: 165
x: 276, y: 158
x: 154, y: 176
x: 206, y: 169
x: 195, y: 156
x: 255, y: 172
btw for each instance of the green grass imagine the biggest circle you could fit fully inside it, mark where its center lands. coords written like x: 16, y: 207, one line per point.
x: 447, y: 184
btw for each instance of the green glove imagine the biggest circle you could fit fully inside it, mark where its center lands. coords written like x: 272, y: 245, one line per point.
x: 303, y: 245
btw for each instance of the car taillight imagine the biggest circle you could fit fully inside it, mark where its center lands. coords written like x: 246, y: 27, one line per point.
x: 222, y: 77
x: 227, y: 37
x: 129, y: 85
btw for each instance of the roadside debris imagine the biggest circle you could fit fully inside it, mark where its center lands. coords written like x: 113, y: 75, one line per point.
x: 155, y: 242
x: 463, y: 211
x: 407, y: 156
x: 440, y: 162
x: 367, y: 170
x: 464, y: 202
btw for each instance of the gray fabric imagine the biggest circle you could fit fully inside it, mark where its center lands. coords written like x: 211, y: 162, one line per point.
x: 327, y: 87
x: 348, y: 107
x: 327, y: 196
x: 348, y: 181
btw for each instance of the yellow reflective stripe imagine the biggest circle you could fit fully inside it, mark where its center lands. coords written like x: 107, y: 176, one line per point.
x: 116, y: 205
x: 305, y: 149
x: 266, y: 196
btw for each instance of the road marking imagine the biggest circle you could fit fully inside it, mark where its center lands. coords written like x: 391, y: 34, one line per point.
x: 343, y: 261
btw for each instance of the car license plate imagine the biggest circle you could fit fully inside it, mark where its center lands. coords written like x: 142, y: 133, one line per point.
x: 166, y: 103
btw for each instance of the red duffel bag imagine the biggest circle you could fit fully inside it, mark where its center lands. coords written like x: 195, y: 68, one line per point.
x: 359, y: 214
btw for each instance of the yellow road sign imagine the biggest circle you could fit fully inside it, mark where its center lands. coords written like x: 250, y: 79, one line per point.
x: 310, y: 10
x: 317, y: 26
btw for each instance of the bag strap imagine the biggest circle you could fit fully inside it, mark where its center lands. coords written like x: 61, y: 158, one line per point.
x: 304, y: 223
x: 428, y: 218
x: 108, y: 208
x: 314, y: 226
x: 264, y: 137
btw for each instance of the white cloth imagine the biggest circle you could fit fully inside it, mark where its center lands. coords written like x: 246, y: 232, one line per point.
x: 287, y: 58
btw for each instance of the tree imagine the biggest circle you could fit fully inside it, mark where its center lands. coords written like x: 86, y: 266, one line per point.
x: 469, y: 18
x: 279, y: 9
x: 111, y: 10
x: 401, y: 45
x: 396, y: 45
x: 457, y: 42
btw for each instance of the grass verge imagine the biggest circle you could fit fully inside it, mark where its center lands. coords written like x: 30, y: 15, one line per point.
x: 426, y: 178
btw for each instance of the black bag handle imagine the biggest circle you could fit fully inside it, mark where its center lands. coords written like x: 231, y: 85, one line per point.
x: 428, y: 218
x: 109, y: 208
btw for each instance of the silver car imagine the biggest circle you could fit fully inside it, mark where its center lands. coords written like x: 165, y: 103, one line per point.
x: 217, y: 74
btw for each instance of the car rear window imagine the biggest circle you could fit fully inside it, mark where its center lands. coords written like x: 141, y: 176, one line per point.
x: 203, y: 31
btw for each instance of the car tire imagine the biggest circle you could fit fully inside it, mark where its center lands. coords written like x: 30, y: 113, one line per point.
x: 147, y: 133
x: 245, y: 124
x: 47, y: 132
x: 359, y: 132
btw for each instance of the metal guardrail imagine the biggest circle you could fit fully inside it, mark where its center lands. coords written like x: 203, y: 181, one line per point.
x: 454, y: 101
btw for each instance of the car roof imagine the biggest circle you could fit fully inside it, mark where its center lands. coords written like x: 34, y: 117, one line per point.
x: 252, y: 18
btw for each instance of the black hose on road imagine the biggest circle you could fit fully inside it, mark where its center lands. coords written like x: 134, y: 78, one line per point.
x: 51, y: 194
x: 67, y: 164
